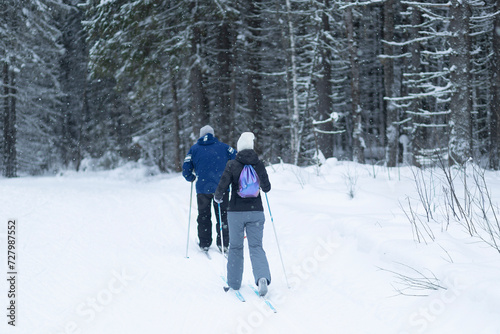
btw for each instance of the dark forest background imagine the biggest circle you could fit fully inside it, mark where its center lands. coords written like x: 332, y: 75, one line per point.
x: 102, y: 82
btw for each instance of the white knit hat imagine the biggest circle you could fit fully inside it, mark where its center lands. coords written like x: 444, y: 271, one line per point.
x: 245, y: 142
x: 205, y: 130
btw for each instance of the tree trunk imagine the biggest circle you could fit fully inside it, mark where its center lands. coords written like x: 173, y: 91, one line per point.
x: 200, y: 112
x: 176, y: 122
x: 460, y: 144
x: 495, y: 102
x: 392, y: 130
x: 254, y: 66
x: 357, y: 131
x: 9, y: 125
x: 293, y: 100
x: 324, y: 87
x: 418, y: 133
x: 223, y: 99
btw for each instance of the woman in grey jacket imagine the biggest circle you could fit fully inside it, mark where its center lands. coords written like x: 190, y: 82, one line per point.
x: 245, y: 214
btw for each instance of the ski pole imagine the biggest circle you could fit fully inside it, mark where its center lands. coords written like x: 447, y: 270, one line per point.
x: 189, y: 221
x: 277, y: 242
x: 221, y: 234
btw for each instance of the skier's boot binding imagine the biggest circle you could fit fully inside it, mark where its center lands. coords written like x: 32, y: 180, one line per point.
x: 220, y: 249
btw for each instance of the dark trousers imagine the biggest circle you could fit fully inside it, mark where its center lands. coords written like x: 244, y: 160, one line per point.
x: 205, y: 219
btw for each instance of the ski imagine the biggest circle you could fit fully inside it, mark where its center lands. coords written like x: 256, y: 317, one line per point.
x: 266, y: 300
x: 236, y: 292
x: 220, y: 251
x: 207, y: 254
x: 225, y: 255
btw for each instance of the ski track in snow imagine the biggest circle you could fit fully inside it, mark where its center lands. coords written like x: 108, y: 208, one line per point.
x: 104, y: 253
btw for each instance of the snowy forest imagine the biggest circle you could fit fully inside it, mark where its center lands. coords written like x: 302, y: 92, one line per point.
x: 97, y: 83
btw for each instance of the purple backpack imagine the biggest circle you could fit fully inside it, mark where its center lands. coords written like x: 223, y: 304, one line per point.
x: 249, y: 183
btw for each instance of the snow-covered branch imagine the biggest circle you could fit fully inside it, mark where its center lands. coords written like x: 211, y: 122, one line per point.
x: 329, y: 132
x: 362, y: 3
x: 409, y: 42
x: 485, y: 17
x: 426, y: 4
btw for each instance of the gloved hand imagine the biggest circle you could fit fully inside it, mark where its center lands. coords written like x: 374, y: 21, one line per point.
x: 218, y: 200
x: 190, y: 178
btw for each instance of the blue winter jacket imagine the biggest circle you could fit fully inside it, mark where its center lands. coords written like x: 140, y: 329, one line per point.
x: 205, y: 161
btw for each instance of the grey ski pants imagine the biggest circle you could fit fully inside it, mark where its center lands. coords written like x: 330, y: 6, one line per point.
x: 253, y: 223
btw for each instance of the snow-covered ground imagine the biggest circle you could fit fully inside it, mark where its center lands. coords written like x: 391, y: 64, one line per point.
x: 104, y: 252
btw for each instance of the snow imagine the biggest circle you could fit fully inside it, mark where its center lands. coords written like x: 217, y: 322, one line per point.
x: 104, y: 252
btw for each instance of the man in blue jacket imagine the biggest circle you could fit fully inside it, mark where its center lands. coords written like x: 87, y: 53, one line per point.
x: 205, y: 162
